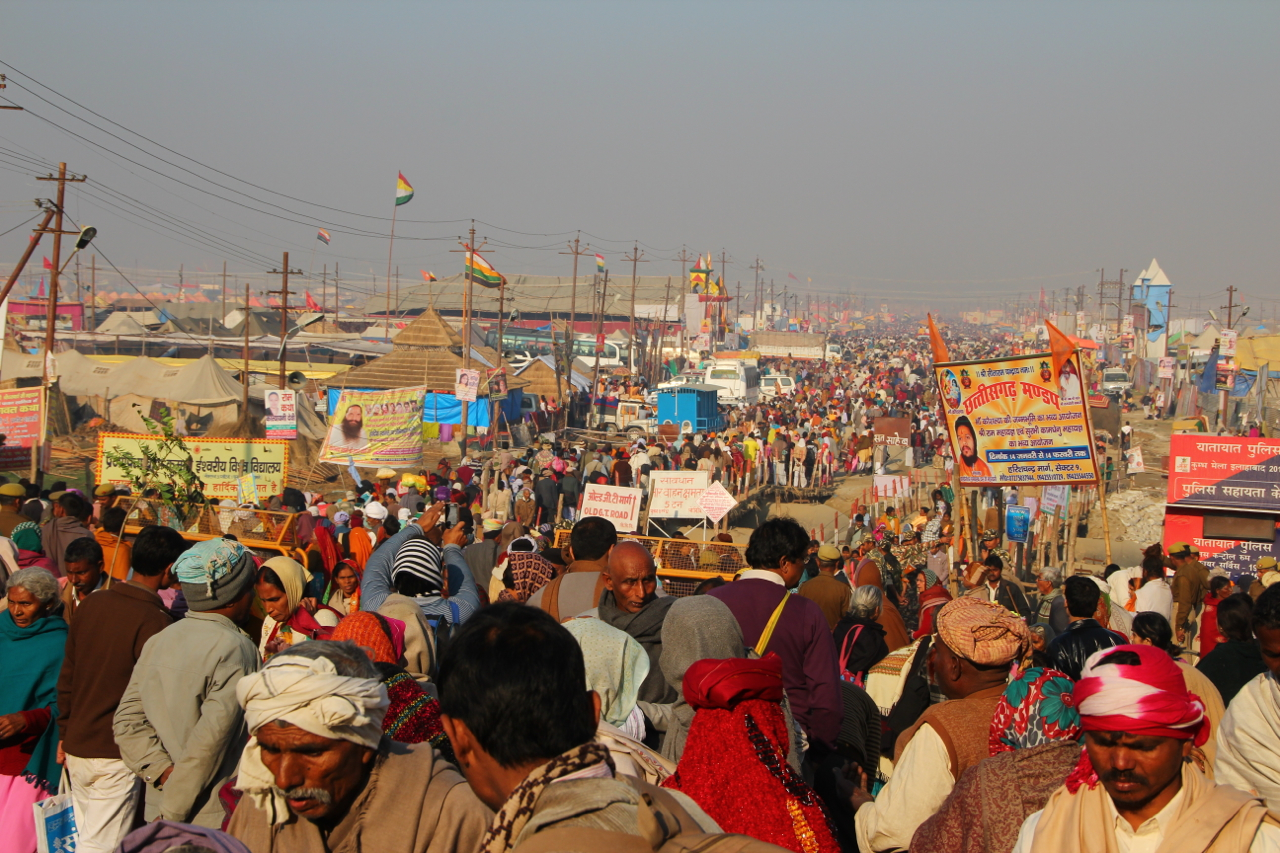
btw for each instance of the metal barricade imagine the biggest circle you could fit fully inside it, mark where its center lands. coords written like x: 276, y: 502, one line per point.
x: 684, y: 563
x: 256, y: 529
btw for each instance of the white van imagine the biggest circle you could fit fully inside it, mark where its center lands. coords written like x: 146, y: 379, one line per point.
x: 738, y: 381
x: 775, y: 385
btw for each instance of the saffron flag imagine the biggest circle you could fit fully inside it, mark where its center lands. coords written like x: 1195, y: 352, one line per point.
x: 599, y: 263
x: 48, y: 264
x: 311, y: 303
x: 1060, y: 346
x: 404, y: 191
x: 429, y: 276
x: 698, y: 276
x: 936, y: 343
x: 481, y: 272
x: 323, y: 236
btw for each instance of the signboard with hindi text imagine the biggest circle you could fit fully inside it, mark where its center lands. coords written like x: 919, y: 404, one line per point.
x: 1016, y: 420
x: 716, y: 502
x: 376, y: 428
x: 281, y: 418
x: 221, y: 463
x: 894, y: 432
x: 21, y: 420
x: 675, y: 494
x: 1234, y: 556
x: 1221, y: 472
x: 618, y: 504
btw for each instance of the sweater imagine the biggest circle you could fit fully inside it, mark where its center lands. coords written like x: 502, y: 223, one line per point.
x: 803, y: 640
x: 1232, y: 665
x: 104, y: 642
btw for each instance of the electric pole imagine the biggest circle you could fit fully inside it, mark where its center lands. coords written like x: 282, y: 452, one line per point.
x: 224, y: 291
x: 1231, y: 304
x: 636, y: 257
x: 684, y: 259
x: 757, y: 267
x: 52, y: 316
x: 284, y: 273
x: 470, y: 248
x: 573, y: 301
x: 93, y: 292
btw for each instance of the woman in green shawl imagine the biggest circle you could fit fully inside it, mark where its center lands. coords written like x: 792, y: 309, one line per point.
x: 32, y: 639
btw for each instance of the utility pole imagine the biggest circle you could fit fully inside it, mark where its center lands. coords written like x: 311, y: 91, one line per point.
x: 1231, y: 304
x: 93, y: 292
x: 595, y: 381
x: 757, y: 267
x: 684, y: 259
x: 337, y: 300
x: 469, y: 248
x: 636, y: 257
x: 324, y: 286
x: 398, y: 298
x: 224, y: 291
x: 724, y: 260
x: 573, y: 300
x: 662, y: 334
x: 244, y: 412
x: 283, y: 272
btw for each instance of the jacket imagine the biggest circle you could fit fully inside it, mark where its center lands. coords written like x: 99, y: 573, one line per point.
x: 1070, y: 649
x: 1231, y: 665
x: 57, y: 535
x: 111, y: 628
x: 1009, y: 595
x: 180, y: 711
x: 1190, y: 585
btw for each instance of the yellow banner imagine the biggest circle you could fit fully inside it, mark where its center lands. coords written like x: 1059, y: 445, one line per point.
x: 219, y: 462
x: 376, y: 428
x: 1013, y: 421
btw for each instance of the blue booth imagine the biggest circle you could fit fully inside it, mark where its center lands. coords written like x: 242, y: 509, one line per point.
x: 693, y: 408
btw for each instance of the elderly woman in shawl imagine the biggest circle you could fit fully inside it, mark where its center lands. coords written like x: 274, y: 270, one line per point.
x: 1034, y: 743
x: 735, y: 753
x: 290, y: 618
x: 526, y: 571
x: 616, y: 667
x: 32, y: 639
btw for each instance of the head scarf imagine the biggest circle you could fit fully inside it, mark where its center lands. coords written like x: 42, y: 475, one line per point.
x: 1148, y: 698
x: 322, y: 538
x: 696, y: 627
x: 34, y: 684
x: 366, y: 631
x: 26, y: 536
x: 292, y: 576
x: 1036, y: 708
x: 985, y: 634
x: 163, y: 835
x: 375, y: 511
x: 724, y: 683
x: 420, y: 558
x: 341, y: 518
x: 529, y: 572
x: 214, y: 573
x: 616, y: 666
x: 307, y: 693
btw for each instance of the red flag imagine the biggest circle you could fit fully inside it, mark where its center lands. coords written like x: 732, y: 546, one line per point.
x: 40, y: 294
x: 48, y: 264
x: 311, y: 303
x: 1060, y: 345
x: 792, y: 277
x: 936, y: 343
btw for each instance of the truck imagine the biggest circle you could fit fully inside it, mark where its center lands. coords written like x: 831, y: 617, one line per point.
x: 806, y: 345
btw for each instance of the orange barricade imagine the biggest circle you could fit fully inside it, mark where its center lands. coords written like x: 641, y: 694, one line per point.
x: 684, y: 563
x: 256, y: 529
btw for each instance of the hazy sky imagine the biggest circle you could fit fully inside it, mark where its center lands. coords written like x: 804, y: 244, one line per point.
x: 931, y: 151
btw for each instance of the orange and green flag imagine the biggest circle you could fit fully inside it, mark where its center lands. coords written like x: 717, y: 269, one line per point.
x: 404, y: 191
x: 479, y: 270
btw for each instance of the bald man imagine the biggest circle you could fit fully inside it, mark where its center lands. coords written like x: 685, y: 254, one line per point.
x: 630, y: 603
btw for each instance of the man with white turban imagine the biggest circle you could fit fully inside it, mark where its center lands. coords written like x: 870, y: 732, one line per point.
x: 317, y: 774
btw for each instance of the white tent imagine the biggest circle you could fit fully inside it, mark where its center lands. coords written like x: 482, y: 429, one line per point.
x: 121, y: 323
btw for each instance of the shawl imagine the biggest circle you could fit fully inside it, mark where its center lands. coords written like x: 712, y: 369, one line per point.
x: 304, y: 528
x: 696, y: 628
x: 734, y: 762
x: 645, y: 626
x: 414, y: 716
x: 519, y: 807
x: 358, y: 542
x: 1247, y: 756
x: 34, y: 684
x: 1210, y: 816
x: 366, y: 631
x: 1036, y: 708
x: 26, y: 536
x: 163, y: 835
x: 616, y: 666
x: 528, y: 573
x: 323, y: 541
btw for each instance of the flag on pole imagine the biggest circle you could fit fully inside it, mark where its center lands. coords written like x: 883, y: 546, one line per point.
x: 429, y: 276
x: 48, y: 264
x: 311, y: 303
x: 404, y: 191
x: 599, y: 263
x: 792, y: 276
x: 1060, y: 345
x: 480, y: 270
x: 937, y: 344
x: 40, y: 293
x: 698, y: 276
x: 323, y: 236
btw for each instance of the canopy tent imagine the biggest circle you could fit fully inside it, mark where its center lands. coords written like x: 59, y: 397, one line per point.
x: 121, y: 323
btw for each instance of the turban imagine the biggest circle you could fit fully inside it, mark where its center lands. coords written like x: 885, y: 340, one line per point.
x: 307, y: 693
x: 1036, y: 708
x: 420, y: 558
x: 340, y: 518
x: 404, y: 514
x: 985, y: 634
x: 214, y: 573
x: 1143, y: 695
x: 375, y: 511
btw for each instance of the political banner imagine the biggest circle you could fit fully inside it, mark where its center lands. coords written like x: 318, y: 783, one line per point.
x: 1233, y: 556
x: 496, y: 381
x: 221, y: 463
x: 1166, y: 367
x: 675, y: 494
x: 282, y: 414
x: 21, y: 420
x: 1133, y: 458
x: 1017, y: 522
x: 1221, y: 472
x: 466, y: 384
x: 1013, y: 421
x: 894, y: 432
x: 618, y: 504
x: 1054, y: 500
x: 376, y: 428
x: 1227, y: 339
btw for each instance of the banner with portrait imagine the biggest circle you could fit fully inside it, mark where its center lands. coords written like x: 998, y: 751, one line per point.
x: 281, y: 418
x: 376, y: 428
x: 1013, y: 421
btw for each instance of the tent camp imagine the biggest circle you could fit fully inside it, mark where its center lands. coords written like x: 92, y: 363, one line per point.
x: 121, y: 323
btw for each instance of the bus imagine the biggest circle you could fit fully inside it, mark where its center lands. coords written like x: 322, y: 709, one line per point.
x: 738, y: 381
x: 533, y: 343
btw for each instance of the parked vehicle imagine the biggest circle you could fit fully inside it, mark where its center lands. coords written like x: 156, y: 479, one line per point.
x: 633, y: 416
x: 738, y: 381
x: 1115, y: 381
x: 776, y: 385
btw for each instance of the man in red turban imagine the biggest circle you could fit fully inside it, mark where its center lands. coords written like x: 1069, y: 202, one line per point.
x: 1135, y: 787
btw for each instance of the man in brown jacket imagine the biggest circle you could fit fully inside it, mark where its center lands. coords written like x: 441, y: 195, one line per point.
x: 1190, y: 585
x: 103, y: 644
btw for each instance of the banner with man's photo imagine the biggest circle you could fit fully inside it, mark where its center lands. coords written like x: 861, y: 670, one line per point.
x: 1018, y: 420
x: 376, y: 428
